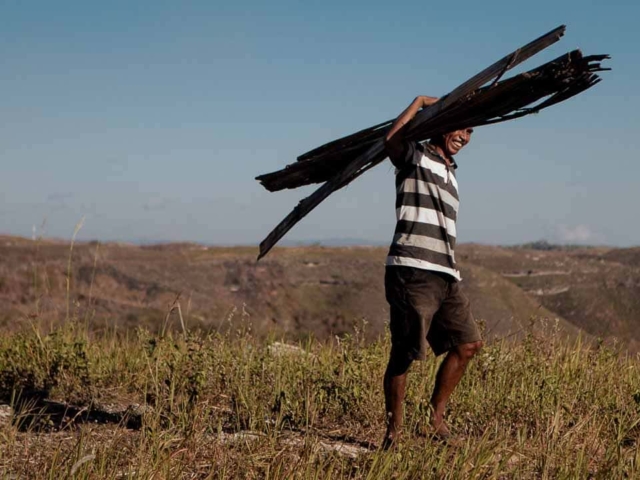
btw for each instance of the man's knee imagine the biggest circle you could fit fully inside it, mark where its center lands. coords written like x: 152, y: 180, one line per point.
x: 469, y: 350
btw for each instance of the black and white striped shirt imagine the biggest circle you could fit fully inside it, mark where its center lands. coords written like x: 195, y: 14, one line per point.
x: 426, y: 209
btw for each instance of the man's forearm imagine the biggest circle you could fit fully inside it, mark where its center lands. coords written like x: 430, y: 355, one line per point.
x: 407, y: 115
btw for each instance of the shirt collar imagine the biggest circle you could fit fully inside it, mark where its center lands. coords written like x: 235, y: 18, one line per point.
x: 435, y: 153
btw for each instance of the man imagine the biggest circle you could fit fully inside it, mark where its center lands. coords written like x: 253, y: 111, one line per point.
x: 421, y: 280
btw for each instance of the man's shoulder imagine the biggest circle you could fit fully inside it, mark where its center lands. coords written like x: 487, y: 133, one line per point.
x: 407, y: 156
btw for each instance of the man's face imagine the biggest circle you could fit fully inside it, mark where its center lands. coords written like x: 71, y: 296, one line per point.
x: 454, y: 141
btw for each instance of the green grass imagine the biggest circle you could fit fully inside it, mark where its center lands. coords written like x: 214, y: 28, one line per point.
x: 541, y: 408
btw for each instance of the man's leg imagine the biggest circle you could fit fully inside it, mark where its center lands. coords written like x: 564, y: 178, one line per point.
x: 406, y: 289
x: 395, y: 381
x: 448, y: 376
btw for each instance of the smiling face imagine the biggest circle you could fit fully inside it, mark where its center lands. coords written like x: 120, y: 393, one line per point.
x: 453, y: 142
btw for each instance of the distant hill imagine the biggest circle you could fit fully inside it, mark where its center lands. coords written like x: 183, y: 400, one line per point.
x: 596, y: 289
x: 312, y: 290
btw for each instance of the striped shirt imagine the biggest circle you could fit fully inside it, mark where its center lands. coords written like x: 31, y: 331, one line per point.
x: 426, y: 209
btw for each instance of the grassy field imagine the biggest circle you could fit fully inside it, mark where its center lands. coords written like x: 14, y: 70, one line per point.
x: 226, y: 405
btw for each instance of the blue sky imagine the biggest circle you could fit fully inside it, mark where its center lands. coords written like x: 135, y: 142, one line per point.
x: 151, y: 119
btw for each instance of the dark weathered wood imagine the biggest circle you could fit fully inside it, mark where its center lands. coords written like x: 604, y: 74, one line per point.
x: 344, y: 141
x: 497, y: 69
x: 374, y: 155
x: 506, y: 100
x: 276, y: 180
x: 455, y: 109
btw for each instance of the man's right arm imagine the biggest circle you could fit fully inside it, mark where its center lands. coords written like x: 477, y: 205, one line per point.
x: 395, y: 143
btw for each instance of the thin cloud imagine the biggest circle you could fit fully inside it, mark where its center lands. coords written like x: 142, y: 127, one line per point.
x: 580, y: 234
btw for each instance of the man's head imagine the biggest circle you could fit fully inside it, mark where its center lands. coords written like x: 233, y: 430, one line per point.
x: 452, y: 142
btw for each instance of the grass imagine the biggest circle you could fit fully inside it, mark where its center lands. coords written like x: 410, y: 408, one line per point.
x: 228, y: 404
x: 541, y: 408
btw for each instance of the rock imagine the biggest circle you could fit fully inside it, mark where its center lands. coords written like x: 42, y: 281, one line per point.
x: 6, y: 413
x: 279, y: 349
x: 232, y: 438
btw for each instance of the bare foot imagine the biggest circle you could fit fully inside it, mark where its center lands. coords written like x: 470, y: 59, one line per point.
x: 390, y: 440
x: 439, y: 428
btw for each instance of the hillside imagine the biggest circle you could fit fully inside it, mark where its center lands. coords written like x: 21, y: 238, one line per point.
x: 596, y: 289
x: 310, y: 290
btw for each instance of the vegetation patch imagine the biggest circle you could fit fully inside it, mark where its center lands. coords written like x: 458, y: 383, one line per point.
x: 229, y: 405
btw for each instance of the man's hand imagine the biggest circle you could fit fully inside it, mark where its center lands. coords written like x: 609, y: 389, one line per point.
x: 394, y: 140
x: 426, y: 101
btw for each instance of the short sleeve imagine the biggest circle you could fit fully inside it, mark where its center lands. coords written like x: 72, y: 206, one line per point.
x: 406, y: 157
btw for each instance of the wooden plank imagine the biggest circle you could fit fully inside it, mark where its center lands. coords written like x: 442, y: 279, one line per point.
x: 310, y: 163
x: 497, y: 102
x: 498, y: 68
x: 377, y: 154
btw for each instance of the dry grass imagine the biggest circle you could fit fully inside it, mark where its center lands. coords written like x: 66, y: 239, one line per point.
x: 227, y: 405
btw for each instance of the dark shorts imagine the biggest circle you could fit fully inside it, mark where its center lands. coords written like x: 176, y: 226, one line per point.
x: 427, y: 307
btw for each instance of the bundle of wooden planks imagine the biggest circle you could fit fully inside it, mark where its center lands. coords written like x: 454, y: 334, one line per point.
x: 482, y: 100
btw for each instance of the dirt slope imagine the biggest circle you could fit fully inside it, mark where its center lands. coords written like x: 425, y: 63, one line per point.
x: 309, y: 290
x: 596, y: 289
